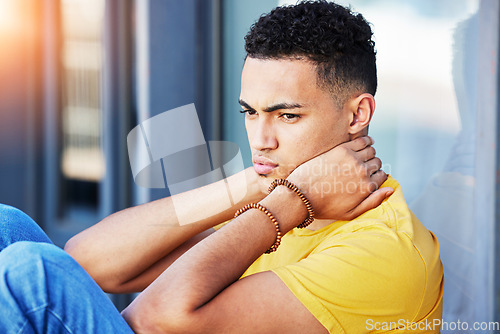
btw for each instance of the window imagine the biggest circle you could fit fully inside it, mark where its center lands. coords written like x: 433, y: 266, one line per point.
x: 82, y: 160
x: 436, y: 135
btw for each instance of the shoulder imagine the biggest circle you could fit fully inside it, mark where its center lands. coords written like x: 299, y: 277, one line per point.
x: 384, y: 259
x: 392, y: 217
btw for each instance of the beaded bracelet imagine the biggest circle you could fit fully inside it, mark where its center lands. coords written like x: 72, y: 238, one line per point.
x: 262, y: 208
x: 295, y: 189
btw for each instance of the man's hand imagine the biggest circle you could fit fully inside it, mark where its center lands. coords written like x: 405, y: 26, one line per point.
x: 342, y: 183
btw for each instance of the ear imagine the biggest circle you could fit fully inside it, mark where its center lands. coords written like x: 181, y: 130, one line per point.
x: 361, y: 110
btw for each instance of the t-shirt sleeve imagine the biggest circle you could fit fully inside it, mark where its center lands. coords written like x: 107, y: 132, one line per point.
x: 361, y: 278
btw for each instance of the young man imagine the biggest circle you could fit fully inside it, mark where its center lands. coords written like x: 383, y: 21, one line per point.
x: 307, y: 93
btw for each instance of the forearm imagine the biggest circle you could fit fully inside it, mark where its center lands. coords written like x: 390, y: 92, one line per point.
x: 178, y: 297
x: 132, y: 241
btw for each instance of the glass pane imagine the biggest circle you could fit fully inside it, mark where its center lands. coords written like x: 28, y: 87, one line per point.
x: 82, y: 157
x: 82, y: 160
x: 425, y: 126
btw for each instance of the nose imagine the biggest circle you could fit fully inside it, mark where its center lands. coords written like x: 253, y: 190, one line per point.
x: 264, y: 136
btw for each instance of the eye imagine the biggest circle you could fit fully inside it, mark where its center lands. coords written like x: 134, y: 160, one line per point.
x: 249, y: 112
x: 290, y: 117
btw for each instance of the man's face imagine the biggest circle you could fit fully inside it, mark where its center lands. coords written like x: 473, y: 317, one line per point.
x: 289, y: 119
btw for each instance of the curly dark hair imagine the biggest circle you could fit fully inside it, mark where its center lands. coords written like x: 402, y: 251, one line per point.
x: 337, y: 40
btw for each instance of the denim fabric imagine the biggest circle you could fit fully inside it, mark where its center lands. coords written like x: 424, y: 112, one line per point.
x: 42, y: 289
x: 15, y: 226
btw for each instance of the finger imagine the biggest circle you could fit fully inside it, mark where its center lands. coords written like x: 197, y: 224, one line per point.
x: 359, y: 143
x: 371, y: 202
x: 366, y: 153
x: 373, y: 165
x: 376, y: 180
x: 379, y: 177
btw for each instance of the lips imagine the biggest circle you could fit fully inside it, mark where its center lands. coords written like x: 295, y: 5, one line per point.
x: 263, y: 165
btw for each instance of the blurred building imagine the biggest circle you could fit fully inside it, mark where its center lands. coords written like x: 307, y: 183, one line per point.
x: 77, y: 75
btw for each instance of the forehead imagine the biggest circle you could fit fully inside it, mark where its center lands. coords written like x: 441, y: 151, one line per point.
x: 267, y: 81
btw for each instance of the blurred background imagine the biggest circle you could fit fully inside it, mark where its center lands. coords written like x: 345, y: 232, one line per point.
x: 77, y: 75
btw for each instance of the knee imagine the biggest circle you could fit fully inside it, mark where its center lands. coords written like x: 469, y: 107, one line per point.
x: 13, y: 216
x: 15, y: 226
x: 28, y: 252
x: 34, y: 259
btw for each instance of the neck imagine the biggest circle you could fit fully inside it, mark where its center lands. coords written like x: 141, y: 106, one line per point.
x: 362, y: 133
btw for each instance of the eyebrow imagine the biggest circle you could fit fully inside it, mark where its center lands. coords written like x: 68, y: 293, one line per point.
x: 274, y: 107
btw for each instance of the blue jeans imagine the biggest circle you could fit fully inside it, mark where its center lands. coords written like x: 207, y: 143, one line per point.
x: 42, y: 289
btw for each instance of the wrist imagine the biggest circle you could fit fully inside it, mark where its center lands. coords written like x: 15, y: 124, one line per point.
x: 244, y: 188
x: 287, y: 207
x: 289, y: 185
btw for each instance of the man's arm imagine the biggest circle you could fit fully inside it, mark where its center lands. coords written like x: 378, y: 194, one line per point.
x: 126, y: 251
x: 201, y: 292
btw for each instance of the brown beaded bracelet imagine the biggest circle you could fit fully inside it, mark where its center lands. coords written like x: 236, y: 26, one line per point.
x: 262, y: 208
x: 295, y: 189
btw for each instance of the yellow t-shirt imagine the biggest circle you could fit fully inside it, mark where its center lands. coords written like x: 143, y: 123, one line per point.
x: 379, y: 273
